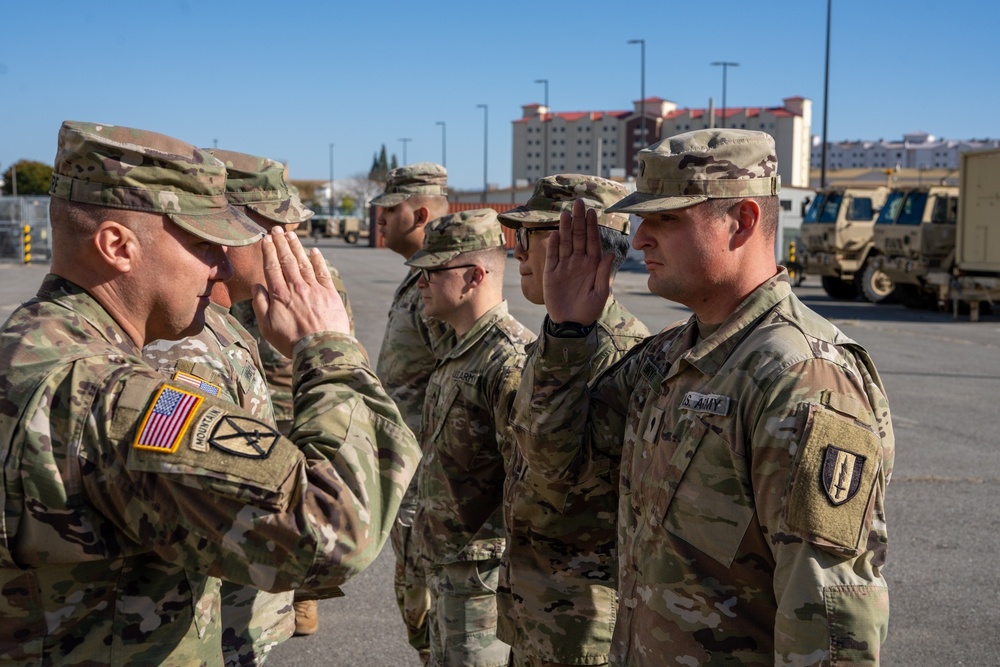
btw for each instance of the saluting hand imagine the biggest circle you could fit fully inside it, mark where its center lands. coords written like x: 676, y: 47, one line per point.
x: 577, y: 279
x: 300, y: 298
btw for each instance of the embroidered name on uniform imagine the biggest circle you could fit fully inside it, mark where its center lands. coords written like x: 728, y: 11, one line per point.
x: 166, y: 421
x: 242, y: 436
x: 465, y: 376
x: 651, y: 373
x: 841, y: 474
x: 710, y: 403
x: 195, y: 381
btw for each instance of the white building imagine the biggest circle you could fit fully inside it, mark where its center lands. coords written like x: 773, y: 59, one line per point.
x: 917, y: 150
x: 606, y: 142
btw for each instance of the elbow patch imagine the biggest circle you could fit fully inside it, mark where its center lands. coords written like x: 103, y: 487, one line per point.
x: 832, y: 489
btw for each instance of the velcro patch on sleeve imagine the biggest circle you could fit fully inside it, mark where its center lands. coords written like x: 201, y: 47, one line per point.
x: 197, y: 382
x: 837, y: 469
x: 167, y: 419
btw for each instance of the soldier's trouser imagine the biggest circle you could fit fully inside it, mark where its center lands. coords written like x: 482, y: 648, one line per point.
x: 412, y: 596
x: 463, y: 615
x: 519, y: 658
x: 254, y: 622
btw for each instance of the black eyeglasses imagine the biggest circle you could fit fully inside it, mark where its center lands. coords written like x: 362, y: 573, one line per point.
x: 426, y: 273
x: 521, y: 234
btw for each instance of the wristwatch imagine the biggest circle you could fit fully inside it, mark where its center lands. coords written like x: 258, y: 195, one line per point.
x: 568, y: 329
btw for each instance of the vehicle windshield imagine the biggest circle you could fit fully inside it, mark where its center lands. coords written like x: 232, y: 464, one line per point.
x: 891, y: 208
x: 913, y: 209
x: 824, y: 208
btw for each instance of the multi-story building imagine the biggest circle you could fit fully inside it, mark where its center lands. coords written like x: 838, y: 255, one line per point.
x: 606, y: 142
x: 917, y: 150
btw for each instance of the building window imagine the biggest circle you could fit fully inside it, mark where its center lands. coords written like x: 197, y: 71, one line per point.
x: 786, y: 204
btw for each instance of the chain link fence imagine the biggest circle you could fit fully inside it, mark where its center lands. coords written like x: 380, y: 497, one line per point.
x: 25, y: 233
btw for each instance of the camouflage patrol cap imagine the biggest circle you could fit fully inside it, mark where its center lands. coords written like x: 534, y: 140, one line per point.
x: 693, y: 167
x: 422, y: 178
x: 259, y: 184
x: 451, y: 235
x: 555, y: 194
x: 120, y: 167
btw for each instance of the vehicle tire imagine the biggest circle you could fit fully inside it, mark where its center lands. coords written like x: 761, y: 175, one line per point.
x: 875, y: 285
x: 914, y: 298
x: 841, y: 290
x: 351, y: 237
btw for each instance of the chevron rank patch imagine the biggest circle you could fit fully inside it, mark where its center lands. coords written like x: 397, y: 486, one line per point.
x: 165, y: 422
x: 195, y: 381
x: 243, y: 436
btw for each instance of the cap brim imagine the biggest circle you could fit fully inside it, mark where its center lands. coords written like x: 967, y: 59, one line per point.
x: 428, y: 260
x: 284, y: 212
x: 642, y: 202
x: 522, y: 215
x: 230, y: 227
x: 388, y: 200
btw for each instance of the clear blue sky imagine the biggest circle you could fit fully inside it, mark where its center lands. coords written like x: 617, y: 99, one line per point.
x: 285, y: 79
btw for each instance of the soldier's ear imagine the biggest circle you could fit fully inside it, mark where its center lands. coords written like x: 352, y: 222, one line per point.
x: 421, y: 215
x: 747, y: 221
x: 116, y: 245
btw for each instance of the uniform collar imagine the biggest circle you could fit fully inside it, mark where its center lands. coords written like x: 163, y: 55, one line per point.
x: 66, y: 294
x: 479, y: 329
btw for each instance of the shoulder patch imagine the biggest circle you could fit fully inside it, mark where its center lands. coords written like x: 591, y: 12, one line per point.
x: 243, y: 436
x: 834, y: 478
x: 164, y: 423
x: 195, y: 381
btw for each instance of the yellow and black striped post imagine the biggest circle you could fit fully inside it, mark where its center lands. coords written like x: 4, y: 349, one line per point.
x: 27, y: 244
x: 792, y: 267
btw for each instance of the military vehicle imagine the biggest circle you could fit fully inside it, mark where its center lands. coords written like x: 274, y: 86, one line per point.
x: 836, y: 243
x: 915, y: 235
x: 973, y: 278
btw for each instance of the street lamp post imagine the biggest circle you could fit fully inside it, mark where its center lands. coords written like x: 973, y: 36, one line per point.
x: 486, y: 143
x: 444, y: 150
x: 725, y: 66
x: 826, y: 97
x: 330, y: 207
x: 642, y: 92
x: 404, y: 149
x: 545, y: 126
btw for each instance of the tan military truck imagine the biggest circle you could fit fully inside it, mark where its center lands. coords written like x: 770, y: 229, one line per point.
x: 915, y: 235
x: 973, y: 278
x: 836, y: 242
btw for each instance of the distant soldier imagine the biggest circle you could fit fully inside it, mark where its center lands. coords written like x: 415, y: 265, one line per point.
x: 224, y: 356
x: 558, y: 574
x: 753, y: 441
x: 464, y: 434
x: 126, y: 496
x: 414, y: 195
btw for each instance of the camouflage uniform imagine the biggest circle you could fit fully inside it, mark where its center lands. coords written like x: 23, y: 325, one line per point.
x: 127, y: 497
x: 458, y: 526
x: 753, y: 459
x: 558, y: 573
x: 410, y: 348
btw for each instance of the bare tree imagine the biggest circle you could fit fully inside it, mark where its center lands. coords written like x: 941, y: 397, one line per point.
x: 361, y: 188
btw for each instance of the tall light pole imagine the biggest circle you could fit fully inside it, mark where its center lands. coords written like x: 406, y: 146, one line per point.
x: 330, y: 212
x: 725, y: 66
x: 444, y: 149
x: 642, y: 92
x: 486, y: 143
x: 826, y: 97
x: 404, y: 149
x: 545, y: 125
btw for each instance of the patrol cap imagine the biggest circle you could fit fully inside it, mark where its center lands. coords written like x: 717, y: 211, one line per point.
x: 554, y: 194
x: 120, y: 167
x: 259, y: 184
x: 422, y: 178
x: 451, y: 235
x: 693, y: 167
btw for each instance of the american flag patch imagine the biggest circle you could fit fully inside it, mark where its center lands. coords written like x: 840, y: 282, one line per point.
x: 166, y: 421
x: 195, y: 381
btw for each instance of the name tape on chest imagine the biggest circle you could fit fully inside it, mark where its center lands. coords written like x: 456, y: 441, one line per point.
x: 164, y: 423
x: 468, y: 377
x: 711, y: 403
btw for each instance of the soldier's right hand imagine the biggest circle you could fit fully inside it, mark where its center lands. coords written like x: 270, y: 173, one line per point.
x: 300, y: 298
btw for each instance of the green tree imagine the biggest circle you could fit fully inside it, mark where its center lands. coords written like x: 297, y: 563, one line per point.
x: 380, y: 167
x: 347, y: 203
x: 394, y: 163
x: 33, y: 178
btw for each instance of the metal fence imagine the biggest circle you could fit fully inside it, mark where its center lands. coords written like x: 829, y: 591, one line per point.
x: 25, y: 233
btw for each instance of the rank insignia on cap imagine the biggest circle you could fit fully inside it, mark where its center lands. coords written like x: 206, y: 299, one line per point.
x: 242, y: 436
x: 165, y: 422
x: 841, y: 474
x: 195, y: 381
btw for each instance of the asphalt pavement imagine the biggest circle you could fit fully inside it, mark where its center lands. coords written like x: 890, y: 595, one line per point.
x: 943, y: 381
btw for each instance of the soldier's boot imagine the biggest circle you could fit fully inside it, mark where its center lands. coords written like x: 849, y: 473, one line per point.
x: 306, y: 617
